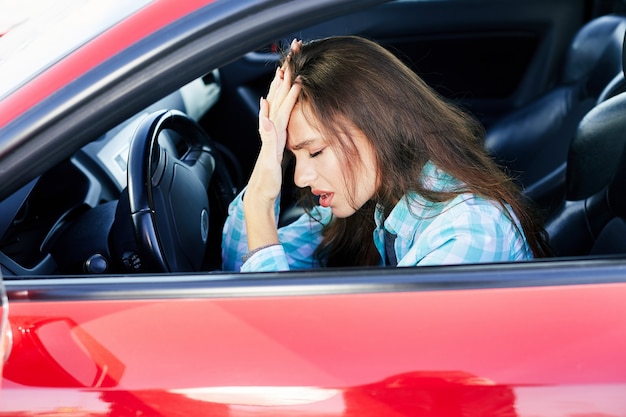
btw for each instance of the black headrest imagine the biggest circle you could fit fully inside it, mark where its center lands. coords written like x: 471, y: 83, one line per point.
x: 596, y: 149
x: 618, y: 83
x: 596, y: 52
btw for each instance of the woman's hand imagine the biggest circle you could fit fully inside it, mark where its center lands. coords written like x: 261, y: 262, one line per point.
x: 266, y: 179
x: 274, y: 115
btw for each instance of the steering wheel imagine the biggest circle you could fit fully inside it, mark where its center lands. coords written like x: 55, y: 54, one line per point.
x: 171, y: 163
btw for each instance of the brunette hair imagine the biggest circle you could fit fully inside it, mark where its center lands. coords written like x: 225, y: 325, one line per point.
x: 351, y: 81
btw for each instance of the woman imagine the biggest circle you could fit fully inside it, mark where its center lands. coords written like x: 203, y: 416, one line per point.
x: 400, y: 176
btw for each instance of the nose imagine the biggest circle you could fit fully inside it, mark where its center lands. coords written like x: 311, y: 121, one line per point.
x: 304, y: 173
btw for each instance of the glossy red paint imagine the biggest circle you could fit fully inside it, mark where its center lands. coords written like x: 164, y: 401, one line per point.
x: 548, y: 351
x: 5, y: 335
x: 147, y: 20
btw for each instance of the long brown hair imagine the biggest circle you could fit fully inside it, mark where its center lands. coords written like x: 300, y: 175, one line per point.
x: 352, y: 80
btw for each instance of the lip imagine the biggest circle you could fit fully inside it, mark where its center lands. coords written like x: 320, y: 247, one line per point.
x: 325, y: 197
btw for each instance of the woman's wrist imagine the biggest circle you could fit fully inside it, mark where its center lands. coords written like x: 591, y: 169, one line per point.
x: 254, y: 203
x: 260, y: 217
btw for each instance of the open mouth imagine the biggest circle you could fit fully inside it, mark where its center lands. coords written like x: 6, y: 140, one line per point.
x: 325, y: 199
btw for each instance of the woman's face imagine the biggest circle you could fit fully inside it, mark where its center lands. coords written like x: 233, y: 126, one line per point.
x: 319, y: 167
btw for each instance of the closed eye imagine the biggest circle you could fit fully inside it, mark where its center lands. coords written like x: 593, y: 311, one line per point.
x: 315, y: 154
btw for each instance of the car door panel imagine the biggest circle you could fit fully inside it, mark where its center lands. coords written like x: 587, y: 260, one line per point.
x: 279, y: 344
x: 6, y: 337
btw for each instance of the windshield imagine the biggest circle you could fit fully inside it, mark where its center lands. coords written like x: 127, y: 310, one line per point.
x: 37, y: 33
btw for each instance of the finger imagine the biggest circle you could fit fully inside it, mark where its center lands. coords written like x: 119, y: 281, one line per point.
x: 295, y: 46
x: 280, y: 114
x: 290, y: 53
x: 274, y: 85
x: 285, y: 75
x: 271, y: 151
x: 290, y: 101
x: 264, y: 126
x: 280, y: 94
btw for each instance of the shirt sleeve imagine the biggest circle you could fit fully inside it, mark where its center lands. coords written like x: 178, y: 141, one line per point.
x: 234, y: 236
x: 298, y: 241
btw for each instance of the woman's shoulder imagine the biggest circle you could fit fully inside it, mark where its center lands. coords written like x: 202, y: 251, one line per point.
x: 436, y: 179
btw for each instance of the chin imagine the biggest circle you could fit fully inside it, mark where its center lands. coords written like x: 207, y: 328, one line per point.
x: 342, y: 212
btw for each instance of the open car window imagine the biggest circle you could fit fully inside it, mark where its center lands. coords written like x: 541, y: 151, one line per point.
x: 68, y: 220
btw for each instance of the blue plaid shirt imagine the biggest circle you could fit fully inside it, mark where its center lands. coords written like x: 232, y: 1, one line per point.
x: 466, y: 229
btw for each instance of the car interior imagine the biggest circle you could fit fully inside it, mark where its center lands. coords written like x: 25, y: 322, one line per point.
x: 545, y: 79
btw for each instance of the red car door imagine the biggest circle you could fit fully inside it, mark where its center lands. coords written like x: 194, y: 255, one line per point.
x: 292, y: 346
x: 5, y: 335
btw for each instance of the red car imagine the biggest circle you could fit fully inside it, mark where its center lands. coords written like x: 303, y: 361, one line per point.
x: 102, y: 315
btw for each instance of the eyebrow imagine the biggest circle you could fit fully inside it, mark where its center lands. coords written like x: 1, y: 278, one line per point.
x: 302, y: 144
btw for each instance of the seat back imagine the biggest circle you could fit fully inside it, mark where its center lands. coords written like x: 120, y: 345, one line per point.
x: 592, y: 218
x: 533, y: 142
x: 616, y: 86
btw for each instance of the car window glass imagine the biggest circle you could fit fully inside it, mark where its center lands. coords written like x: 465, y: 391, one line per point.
x: 52, y: 30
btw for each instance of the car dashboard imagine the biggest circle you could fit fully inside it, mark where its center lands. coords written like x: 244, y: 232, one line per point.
x: 32, y: 218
